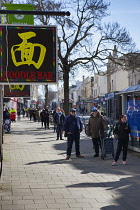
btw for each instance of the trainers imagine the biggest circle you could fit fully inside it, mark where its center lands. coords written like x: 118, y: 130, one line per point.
x: 68, y: 157
x: 96, y: 155
x: 114, y: 163
x: 124, y: 163
x: 79, y: 156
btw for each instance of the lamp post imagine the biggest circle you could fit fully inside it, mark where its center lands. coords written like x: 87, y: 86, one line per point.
x: 1, y: 118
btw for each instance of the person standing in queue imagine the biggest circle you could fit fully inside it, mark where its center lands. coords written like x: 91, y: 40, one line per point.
x: 55, y: 126
x: 44, y: 115
x: 47, y: 118
x: 73, y: 127
x: 96, y: 128
x: 59, y: 119
x: 122, y: 130
x: 18, y: 113
x: 6, y: 114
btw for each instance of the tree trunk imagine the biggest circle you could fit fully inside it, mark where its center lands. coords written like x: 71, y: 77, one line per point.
x: 66, y: 91
x: 46, y: 95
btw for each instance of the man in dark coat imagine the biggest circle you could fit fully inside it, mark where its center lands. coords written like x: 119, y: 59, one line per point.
x: 59, y: 119
x: 73, y: 127
x: 96, y: 128
x: 44, y: 115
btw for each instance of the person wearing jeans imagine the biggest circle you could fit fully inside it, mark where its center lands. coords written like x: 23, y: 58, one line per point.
x: 73, y: 127
x: 71, y: 138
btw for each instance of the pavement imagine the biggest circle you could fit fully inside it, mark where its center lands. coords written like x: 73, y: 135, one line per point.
x: 36, y: 175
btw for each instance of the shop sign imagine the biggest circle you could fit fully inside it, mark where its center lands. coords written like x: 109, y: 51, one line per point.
x: 28, y: 54
x: 88, y: 100
x: 102, y: 99
x: 96, y: 100
x: 16, y: 91
x: 109, y: 95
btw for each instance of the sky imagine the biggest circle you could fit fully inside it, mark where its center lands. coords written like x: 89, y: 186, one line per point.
x: 127, y: 14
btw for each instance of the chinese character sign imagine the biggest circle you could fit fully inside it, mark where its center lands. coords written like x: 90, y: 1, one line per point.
x: 27, y: 51
x: 28, y: 54
x: 17, y: 91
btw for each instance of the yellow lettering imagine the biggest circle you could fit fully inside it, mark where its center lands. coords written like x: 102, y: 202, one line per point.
x: 16, y: 87
x: 27, y: 51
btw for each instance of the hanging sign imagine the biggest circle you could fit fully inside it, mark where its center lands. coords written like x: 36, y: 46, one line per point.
x: 20, y: 18
x: 28, y: 54
x: 17, y: 91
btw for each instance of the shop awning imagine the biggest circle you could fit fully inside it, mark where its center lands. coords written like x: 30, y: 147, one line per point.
x: 129, y: 89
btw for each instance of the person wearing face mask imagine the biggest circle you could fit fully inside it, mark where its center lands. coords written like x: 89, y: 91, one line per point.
x: 96, y: 128
x: 122, y: 130
x: 73, y: 127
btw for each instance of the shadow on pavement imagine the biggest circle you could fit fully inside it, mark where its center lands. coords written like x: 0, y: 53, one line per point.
x: 60, y: 161
x: 125, y: 190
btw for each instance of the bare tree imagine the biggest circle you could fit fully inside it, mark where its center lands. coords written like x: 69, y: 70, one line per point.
x: 84, y: 42
x: 7, y: 1
x: 46, y: 95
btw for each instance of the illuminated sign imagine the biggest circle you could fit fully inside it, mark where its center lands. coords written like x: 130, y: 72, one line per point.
x: 28, y: 54
x: 16, y: 91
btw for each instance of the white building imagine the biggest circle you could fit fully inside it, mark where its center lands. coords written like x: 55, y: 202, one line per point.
x: 76, y: 94
x: 117, y: 76
x: 100, y: 86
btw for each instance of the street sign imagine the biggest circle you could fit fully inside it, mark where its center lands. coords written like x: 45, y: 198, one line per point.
x: 28, y: 54
x: 22, y: 91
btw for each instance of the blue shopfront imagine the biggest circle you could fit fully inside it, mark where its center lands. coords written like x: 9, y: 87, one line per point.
x: 130, y: 100
x: 113, y: 105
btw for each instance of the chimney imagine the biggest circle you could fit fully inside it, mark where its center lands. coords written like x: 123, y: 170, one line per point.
x: 115, y: 51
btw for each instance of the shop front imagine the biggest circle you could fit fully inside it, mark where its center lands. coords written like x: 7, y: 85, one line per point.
x: 113, y: 105
x: 130, y: 98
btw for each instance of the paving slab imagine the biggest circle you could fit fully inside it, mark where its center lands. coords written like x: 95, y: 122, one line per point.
x: 37, y: 176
